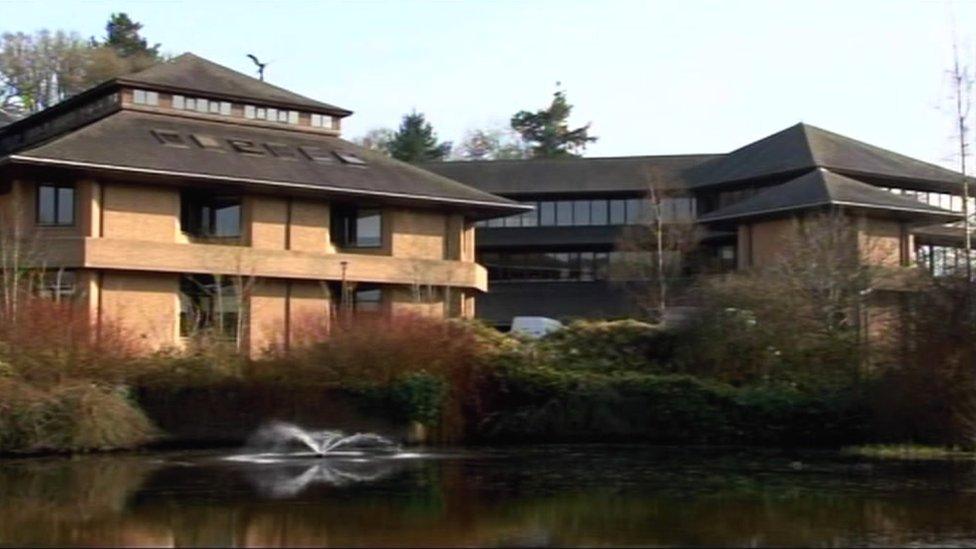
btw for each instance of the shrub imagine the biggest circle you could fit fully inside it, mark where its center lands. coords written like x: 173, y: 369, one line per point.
x: 69, y: 417
x: 609, y: 346
x: 420, y: 397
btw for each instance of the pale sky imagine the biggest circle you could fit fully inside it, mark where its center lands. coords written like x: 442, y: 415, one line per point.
x: 652, y: 77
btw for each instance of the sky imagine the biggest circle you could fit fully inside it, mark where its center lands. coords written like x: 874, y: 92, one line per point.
x: 652, y: 77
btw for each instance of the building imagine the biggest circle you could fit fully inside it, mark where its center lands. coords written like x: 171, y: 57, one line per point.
x: 564, y: 259
x: 192, y: 199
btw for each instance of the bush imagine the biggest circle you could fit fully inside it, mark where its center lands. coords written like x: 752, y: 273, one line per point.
x: 608, y: 346
x: 420, y: 397
x: 69, y: 417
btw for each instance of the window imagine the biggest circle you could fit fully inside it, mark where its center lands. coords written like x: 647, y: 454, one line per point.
x: 598, y: 212
x: 209, y: 307
x: 249, y: 111
x: 179, y: 102
x: 583, y: 266
x: 225, y: 108
x: 143, y: 97
x: 207, y: 141
x: 634, y: 207
x: 564, y: 213
x: 282, y: 151
x: 618, y: 212
x: 207, y: 216
x: 317, y: 154
x: 203, y: 106
x: 513, y: 221
x: 350, y: 158
x: 530, y: 219
x: 581, y: 212
x: 357, y: 228
x: 245, y: 146
x: 214, y: 107
x: 167, y: 137
x: 367, y: 300
x: 55, y: 205
x: 293, y: 117
x: 321, y: 121
x: 57, y: 285
x: 547, y: 214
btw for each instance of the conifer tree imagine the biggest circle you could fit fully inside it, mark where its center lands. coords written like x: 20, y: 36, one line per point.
x: 416, y: 141
x: 547, y: 131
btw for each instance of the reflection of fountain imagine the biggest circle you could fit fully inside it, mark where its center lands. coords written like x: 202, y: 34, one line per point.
x: 280, y: 435
x: 291, y: 480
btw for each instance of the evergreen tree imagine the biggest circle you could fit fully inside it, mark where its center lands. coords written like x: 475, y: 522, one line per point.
x: 547, y: 130
x: 416, y: 141
x: 122, y: 35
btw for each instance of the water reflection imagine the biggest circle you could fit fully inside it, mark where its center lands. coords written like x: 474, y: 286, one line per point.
x: 568, y: 495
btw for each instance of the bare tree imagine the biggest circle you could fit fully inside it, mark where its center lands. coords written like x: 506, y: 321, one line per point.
x: 962, y: 86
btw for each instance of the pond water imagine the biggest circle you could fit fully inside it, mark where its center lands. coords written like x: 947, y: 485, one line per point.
x: 553, y: 495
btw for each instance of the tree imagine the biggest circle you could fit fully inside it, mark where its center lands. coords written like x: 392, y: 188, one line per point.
x: 122, y: 36
x: 655, y: 251
x: 41, y: 69
x: 547, y: 130
x: 416, y: 141
x: 376, y: 139
x: 962, y: 87
x: 492, y: 144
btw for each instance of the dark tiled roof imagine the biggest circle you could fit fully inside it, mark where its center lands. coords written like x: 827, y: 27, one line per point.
x: 195, y: 74
x: 125, y: 141
x: 819, y: 188
x: 570, y: 175
x: 803, y: 147
x: 6, y: 118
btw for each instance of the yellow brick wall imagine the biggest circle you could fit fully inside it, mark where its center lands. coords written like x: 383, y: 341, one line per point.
x: 145, y: 304
x: 265, y: 223
x: 881, y: 242
x: 310, y: 227
x: 418, y: 234
x: 140, y: 212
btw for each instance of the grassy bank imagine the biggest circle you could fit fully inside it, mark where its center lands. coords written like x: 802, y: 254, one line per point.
x: 908, y: 452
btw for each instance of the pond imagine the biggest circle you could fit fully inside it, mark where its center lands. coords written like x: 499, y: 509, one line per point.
x: 552, y: 495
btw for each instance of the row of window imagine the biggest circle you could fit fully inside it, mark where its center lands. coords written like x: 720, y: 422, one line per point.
x: 211, y: 306
x: 225, y: 108
x: 547, y: 266
x: 578, y: 213
x: 205, y: 215
x: 946, y: 201
x: 271, y: 115
x: 942, y: 260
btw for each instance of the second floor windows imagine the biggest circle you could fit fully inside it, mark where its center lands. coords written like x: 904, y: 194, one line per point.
x: 207, y: 216
x: 357, y: 228
x: 55, y: 205
x: 590, y: 212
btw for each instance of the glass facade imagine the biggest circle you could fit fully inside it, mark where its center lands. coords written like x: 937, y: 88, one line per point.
x: 597, y: 212
x: 943, y: 260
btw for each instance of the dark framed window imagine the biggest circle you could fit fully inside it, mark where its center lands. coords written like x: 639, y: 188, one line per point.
x: 209, y: 306
x: 55, y: 205
x: 357, y: 227
x: 634, y: 207
x: 547, y: 214
x: 581, y: 212
x: 598, y: 212
x: 207, y: 216
x: 367, y: 300
x: 564, y: 213
x: 618, y: 212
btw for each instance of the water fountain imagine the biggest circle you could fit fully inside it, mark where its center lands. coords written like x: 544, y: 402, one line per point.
x: 279, y: 436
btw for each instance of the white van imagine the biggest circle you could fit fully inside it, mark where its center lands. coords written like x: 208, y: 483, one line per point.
x: 535, y: 326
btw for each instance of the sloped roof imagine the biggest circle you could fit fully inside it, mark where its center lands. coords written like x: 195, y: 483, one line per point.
x: 803, y: 147
x: 195, y: 74
x: 821, y: 187
x: 6, y: 118
x: 124, y: 141
x: 571, y: 175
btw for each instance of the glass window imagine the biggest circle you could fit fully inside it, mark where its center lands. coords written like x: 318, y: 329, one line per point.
x: 260, y: 114
x: 179, y: 102
x: 530, y: 219
x: 143, y: 97
x: 513, y: 221
x: 208, y: 216
x: 598, y: 212
x: 496, y: 222
x: 581, y: 212
x: 271, y: 115
x: 57, y: 285
x: 249, y: 111
x: 293, y: 117
x: 564, y: 213
x: 209, y: 306
x: 55, y: 205
x: 203, y: 105
x: 634, y: 206
x: 317, y: 120
x: 190, y: 104
x: 214, y: 107
x: 139, y: 96
x: 367, y: 300
x: 547, y: 214
x: 225, y: 108
x: 358, y: 228
x: 618, y: 212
